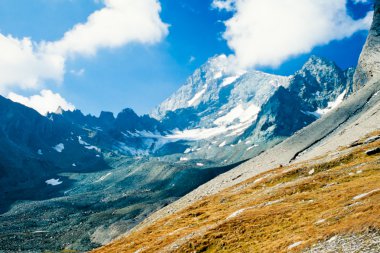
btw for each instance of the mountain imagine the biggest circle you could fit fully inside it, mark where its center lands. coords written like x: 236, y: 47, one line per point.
x: 313, y: 91
x: 316, y: 191
x: 108, y: 173
x: 35, y: 148
x: 319, y: 185
x: 235, y: 117
x: 213, y: 97
x: 94, y: 178
x: 127, y: 134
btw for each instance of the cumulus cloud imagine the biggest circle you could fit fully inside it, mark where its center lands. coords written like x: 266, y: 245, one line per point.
x: 22, y: 64
x: 118, y: 23
x: 45, y: 102
x: 268, y: 32
x: 28, y: 65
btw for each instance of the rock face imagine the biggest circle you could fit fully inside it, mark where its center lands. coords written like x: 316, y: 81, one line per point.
x: 313, y: 91
x: 217, y: 109
x: 319, y: 82
x: 369, y: 62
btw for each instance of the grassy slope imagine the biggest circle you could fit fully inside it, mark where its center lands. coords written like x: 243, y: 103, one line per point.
x: 302, y: 203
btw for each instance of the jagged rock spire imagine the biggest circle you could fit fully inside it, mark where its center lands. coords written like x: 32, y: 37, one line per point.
x: 369, y: 61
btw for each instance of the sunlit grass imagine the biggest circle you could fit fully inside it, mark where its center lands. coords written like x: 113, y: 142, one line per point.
x: 282, y: 210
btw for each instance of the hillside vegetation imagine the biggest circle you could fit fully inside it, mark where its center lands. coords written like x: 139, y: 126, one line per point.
x: 288, y: 209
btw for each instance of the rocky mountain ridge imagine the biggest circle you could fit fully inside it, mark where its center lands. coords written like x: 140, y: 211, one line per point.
x: 108, y: 173
x: 315, y: 191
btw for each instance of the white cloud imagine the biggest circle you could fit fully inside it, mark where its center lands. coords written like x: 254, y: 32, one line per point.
x: 45, y: 102
x: 360, y: 1
x: 77, y: 72
x: 268, y: 32
x: 118, y: 23
x: 227, y: 5
x: 28, y: 65
x: 22, y: 64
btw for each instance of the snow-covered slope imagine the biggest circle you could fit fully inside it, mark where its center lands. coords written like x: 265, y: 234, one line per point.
x: 237, y: 116
x: 218, y: 97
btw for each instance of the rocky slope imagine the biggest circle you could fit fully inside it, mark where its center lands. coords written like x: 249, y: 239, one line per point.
x: 320, y: 182
x: 354, y: 118
x: 320, y: 205
x: 102, y: 175
x: 34, y: 149
x: 369, y: 63
x: 94, y: 178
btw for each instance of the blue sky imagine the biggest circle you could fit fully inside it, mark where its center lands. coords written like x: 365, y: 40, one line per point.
x: 141, y: 75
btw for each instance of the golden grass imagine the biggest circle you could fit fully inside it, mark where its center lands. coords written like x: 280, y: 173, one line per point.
x: 277, y: 209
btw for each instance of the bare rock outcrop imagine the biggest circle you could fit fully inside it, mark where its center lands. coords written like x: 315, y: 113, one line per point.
x: 369, y: 61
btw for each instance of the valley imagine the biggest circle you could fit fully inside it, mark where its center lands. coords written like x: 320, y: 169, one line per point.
x: 233, y: 161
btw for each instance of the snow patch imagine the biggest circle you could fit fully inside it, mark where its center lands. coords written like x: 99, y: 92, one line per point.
x: 239, y: 112
x: 251, y: 147
x: 332, y: 105
x: 218, y: 75
x: 93, y: 148
x: 196, y: 97
x: 103, y: 177
x: 184, y: 159
x: 87, y: 145
x: 39, y: 152
x: 59, y: 147
x: 200, y: 164
x: 206, y: 133
x: 82, y: 142
x: 53, y: 182
x: 229, y: 80
x: 197, y: 133
x: 222, y: 144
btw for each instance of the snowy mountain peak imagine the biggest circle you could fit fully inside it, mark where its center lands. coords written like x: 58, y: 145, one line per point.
x: 213, y: 82
x: 318, y: 65
x: 59, y: 110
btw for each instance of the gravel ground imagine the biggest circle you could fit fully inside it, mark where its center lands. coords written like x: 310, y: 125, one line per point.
x: 368, y: 242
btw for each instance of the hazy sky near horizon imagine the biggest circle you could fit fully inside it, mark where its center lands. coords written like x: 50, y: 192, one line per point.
x: 108, y: 55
